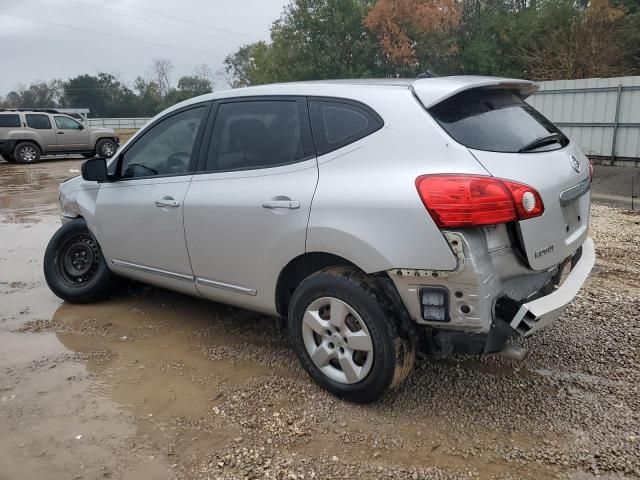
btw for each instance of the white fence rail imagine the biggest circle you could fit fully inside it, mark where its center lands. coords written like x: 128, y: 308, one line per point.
x: 602, y: 115
x: 117, y: 122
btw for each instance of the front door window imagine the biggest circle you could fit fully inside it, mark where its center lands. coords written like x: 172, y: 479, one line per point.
x: 166, y: 148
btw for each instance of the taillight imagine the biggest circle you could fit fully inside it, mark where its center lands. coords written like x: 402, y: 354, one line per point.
x: 469, y: 200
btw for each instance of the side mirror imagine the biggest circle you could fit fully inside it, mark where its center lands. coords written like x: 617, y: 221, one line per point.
x: 80, y: 126
x: 95, y: 170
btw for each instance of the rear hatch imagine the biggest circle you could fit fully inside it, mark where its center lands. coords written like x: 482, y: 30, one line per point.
x: 515, y: 142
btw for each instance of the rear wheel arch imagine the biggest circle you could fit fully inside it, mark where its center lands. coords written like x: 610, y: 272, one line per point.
x: 30, y: 140
x: 300, y: 268
x: 305, y: 265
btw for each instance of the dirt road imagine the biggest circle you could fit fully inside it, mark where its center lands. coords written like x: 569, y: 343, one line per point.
x: 156, y: 385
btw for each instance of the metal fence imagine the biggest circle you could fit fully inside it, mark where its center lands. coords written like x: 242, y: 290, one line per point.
x: 120, y: 123
x: 602, y: 115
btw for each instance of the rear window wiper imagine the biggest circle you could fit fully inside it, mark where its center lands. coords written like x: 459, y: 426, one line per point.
x: 542, y: 141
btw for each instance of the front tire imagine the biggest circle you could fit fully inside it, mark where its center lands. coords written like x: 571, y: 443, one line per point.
x: 74, y: 267
x: 106, y: 148
x: 27, y: 152
x: 348, y: 336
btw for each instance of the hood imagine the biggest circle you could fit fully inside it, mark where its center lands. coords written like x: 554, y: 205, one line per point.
x: 74, y: 184
x: 110, y: 131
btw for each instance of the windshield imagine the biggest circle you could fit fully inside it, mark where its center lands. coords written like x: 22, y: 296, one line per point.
x: 495, y: 120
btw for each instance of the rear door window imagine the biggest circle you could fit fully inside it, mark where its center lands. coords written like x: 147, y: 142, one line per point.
x: 337, y: 123
x: 9, y: 120
x: 256, y: 134
x: 494, y: 120
x: 38, y: 121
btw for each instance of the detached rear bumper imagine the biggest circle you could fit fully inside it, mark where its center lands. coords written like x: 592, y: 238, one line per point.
x: 537, y: 314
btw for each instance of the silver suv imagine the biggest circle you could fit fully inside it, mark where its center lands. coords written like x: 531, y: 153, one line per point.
x: 25, y: 135
x: 379, y: 218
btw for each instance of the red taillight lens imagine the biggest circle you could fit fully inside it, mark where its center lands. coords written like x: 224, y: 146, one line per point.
x: 526, y: 200
x: 469, y: 200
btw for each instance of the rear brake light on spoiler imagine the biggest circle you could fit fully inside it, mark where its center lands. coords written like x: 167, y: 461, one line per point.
x: 455, y: 200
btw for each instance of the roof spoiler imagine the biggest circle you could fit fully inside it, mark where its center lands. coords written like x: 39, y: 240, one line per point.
x: 431, y: 91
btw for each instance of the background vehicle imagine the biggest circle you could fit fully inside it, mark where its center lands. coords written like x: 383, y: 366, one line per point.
x: 25, y: 135
x: 377, y: 217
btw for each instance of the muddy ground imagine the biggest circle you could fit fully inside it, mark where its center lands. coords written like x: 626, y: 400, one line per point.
x: 156, y: 385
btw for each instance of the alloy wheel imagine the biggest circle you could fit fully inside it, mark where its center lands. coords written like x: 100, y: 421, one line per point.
x: 28, y: 154
x: 337, y: 340
x: 108, y: 149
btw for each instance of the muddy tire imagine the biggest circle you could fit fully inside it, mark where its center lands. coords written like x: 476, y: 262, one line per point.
x: 74, y: 267
x: 27, y: 152
x: 348, y: 335
x: 106, y: 148
x: 8, y: 158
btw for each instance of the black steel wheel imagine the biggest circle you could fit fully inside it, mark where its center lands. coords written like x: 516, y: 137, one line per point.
x: 79, y: 260
x: 74, y: 267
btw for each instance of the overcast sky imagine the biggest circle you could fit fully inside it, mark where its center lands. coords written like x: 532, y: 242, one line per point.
x: 45, y: 39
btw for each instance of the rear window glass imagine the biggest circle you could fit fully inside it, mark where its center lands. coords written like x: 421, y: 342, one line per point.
x: 336, y: 124
x: 494, y: 120
x: 9, y: 120
x: 38, y: 121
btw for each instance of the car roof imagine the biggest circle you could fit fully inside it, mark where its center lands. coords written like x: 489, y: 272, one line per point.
x: 429, y: 90
x: 439, y: 86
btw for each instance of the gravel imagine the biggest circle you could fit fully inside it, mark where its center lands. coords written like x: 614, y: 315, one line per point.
x: 572, y: 406
x: 216, y: 392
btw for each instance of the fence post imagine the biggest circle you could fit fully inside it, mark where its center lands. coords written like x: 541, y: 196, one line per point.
x: 615, y: 124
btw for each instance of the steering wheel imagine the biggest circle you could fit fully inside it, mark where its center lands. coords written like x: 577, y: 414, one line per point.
x: 178, y: 162
x: 138, y: 170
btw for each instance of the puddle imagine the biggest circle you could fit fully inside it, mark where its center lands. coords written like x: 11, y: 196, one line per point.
x: 30, y: 192
x: 56, y: 423
x: 156, y: 365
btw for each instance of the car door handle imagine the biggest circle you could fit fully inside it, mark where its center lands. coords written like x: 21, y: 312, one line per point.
x: 60, y: 133
x: 291, y: 204
x: 167, y: 202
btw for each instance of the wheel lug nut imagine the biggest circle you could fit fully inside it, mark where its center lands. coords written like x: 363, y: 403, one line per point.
x: 328, y: 332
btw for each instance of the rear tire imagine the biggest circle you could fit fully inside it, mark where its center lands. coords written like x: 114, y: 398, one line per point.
x: 106, y: 148
x: 27, y: 152
x: 74, y: 267
x: 348, y: 336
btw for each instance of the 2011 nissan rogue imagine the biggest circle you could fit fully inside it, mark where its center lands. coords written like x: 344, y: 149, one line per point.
x: 378, y: 217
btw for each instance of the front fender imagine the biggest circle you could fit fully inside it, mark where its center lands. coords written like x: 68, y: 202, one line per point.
x: 78, y: 199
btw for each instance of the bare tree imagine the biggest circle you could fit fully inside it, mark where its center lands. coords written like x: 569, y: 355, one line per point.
x: 160, y: 74
x: 204, y: 72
